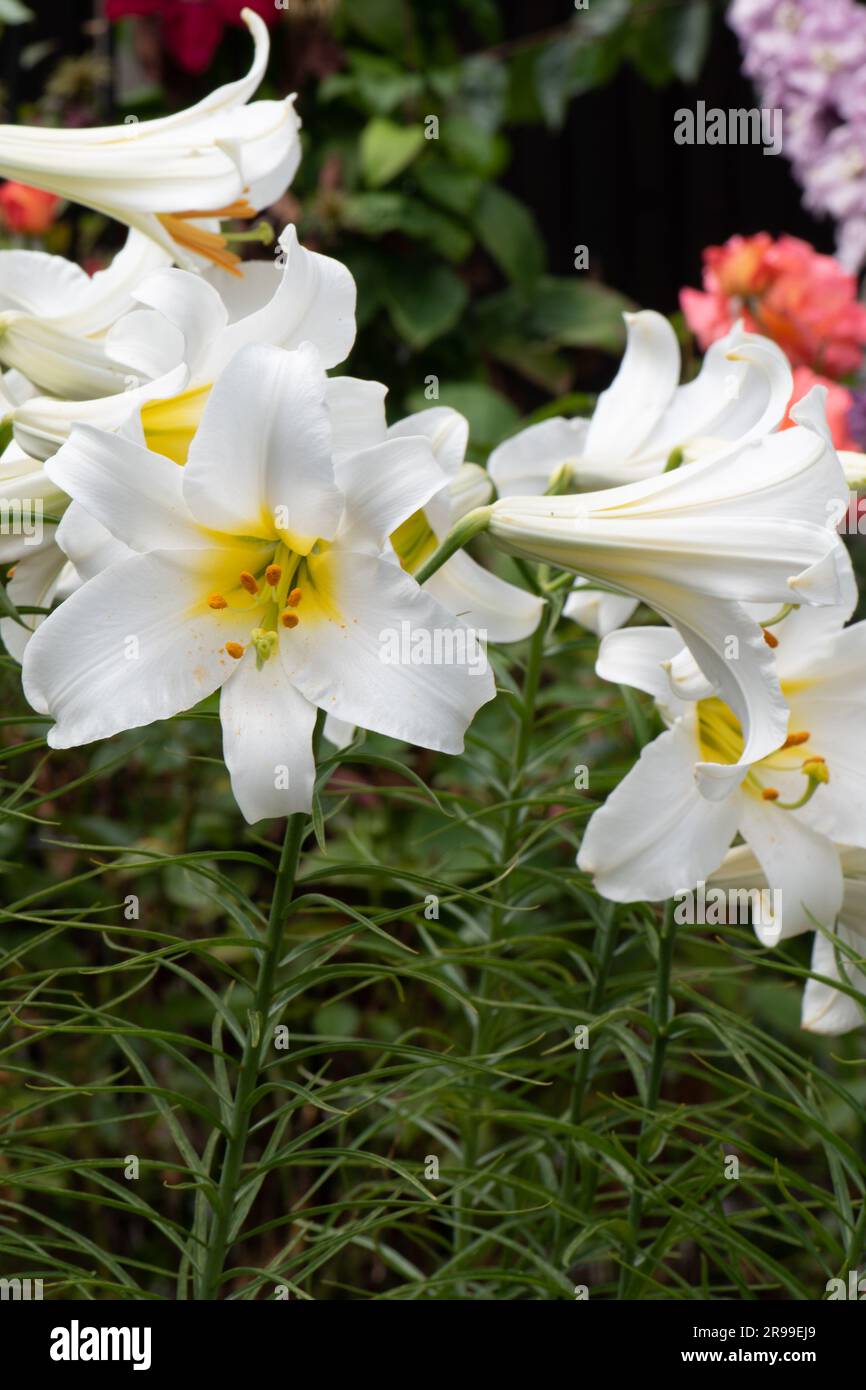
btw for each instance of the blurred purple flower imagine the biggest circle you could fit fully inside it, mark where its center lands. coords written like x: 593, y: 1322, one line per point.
x: 857, y: 418
x: 809, y: 58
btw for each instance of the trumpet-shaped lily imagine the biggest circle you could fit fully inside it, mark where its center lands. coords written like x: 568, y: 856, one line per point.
x: 645, y: 423
x: 838, y: 956
x: 188, y: 327
x: 659, y: 833
x: 260, y: 570
x: 54, y: 317
x: 697, y: 543
x: 172, y: 178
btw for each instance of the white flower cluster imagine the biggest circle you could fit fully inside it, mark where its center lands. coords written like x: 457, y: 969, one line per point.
x: 233, y: 518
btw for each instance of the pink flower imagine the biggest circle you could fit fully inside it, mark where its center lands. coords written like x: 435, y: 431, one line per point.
x: 838, y: 405
x: 192, y: 29
x: 785, y: 289
x: 25, y: 209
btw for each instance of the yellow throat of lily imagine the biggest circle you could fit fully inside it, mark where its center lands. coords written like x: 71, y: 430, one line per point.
x: 721, y: 741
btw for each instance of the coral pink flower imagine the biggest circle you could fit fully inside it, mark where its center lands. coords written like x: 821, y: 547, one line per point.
x: 25, y: 209
x: 192, y: 29
x: 786, y: 290
x: 838, y: 406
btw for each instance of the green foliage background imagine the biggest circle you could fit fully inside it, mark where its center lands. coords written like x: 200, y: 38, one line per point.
x: 412, y: 1036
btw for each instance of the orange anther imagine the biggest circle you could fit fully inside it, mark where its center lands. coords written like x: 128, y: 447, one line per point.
x: 794, y: 740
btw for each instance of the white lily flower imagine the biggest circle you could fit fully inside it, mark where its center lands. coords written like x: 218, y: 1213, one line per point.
x: 260, y: 570
x: 172, y: 178
x: 172, y: 350
x: 644, y: 422
x: 183, y: 340
x: 201, y: 321
x: 658, y: 833
x: 838, y: 957
x: 54, y: 316
x: 697, y: 543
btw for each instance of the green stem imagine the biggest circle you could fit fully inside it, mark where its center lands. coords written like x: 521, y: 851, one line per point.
x: 532, y: 679
x: 221, y: 1239
x: 524, y: 737
x: 605, y: 941
x: 472, y: 524
x: 661, y: 1028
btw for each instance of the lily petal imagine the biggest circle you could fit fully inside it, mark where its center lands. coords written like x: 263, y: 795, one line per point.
x: 135, y: 494
x: 337, y: 657
x: 189, y: 303
x: 656, y: 835
x: 135, y: 644
x: 447, y: 431
x: 384, y: 485
x: 802, y: 864
x: 277, y: 477
x: 524, y: 465
x: 35, y: 584
x: 597, y: 610
x: 631, y: 406
x: 42, y: 424
x: 827, y: 1010
x: 484, y: 601
x: 639, y: 657
x: 89, y: 546
x: 741, y: 393
x: 357, y: 412
x: 313, y: 301
x: 267, y: 740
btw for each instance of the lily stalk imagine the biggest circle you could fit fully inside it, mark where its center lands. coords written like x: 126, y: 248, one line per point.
x: 257, y: 1038
x: 466, y: 529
